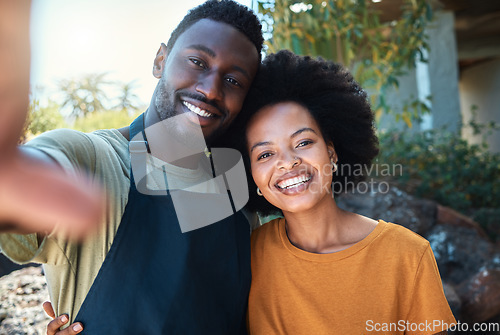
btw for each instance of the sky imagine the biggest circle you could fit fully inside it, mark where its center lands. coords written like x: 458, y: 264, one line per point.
x: 120, y: 37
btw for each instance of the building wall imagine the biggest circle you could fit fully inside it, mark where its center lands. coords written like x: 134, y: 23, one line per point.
x: 443, y: 72
x: 480, y: 86
x: 437, y: 78
x: 396, y: 99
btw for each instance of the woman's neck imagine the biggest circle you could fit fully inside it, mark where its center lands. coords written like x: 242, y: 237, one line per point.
x: 326, y: 228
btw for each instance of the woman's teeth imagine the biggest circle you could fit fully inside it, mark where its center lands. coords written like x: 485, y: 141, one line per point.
x: 293, y: 182
x: 197, y: 110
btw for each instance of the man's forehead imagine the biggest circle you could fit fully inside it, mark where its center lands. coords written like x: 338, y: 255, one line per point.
x: 206, y: 32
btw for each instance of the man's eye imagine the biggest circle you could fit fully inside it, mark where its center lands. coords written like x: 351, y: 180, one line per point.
x: 264, y: 155
x: 304, y: 143
x: 197, y: 62
x: 233, y: 81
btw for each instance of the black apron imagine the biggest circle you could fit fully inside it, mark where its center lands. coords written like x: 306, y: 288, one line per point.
x: 157, y: 280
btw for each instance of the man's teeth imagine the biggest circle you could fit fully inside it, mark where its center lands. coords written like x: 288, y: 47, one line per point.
x: 293, y: 182
x: 197, y: 110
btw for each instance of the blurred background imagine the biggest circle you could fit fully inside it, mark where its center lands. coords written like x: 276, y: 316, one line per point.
x: 432, y: 71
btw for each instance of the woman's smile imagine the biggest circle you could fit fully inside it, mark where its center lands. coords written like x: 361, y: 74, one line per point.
x: 288, y: 162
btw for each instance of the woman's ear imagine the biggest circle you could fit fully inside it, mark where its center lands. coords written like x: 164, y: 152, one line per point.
x: 331, y: 152
x: 159, y: 61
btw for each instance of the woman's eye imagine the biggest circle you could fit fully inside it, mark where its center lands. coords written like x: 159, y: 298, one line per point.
x: 264, y: 155
x: 304, y: 143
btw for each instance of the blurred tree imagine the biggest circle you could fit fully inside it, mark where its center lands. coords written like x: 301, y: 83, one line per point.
x: 127, y: 99
x: 351, y: 32
x: 85, y: 95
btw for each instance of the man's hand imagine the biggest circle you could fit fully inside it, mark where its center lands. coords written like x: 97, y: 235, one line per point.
x: 56, y: 323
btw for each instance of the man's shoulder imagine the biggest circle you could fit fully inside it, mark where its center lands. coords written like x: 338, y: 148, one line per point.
x: 74, y: 140
x: 110, y: 137
x: 72, y: 148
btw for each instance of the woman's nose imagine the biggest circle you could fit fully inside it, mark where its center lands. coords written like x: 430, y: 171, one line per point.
x: 289, y: 161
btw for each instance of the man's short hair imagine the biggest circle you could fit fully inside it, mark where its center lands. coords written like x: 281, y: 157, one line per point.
x: 226, y: 11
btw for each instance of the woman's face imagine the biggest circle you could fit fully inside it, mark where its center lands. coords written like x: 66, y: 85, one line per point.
x: 290, y: 161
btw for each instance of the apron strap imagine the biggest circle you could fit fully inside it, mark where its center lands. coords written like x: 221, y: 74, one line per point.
x: 139, y: 151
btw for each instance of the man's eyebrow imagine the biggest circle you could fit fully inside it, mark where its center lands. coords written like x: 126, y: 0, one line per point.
x: 300, y: 131
x: 242, y: 71
x: 260, y: 144
x: 203, y: 48
x: 212, y: 54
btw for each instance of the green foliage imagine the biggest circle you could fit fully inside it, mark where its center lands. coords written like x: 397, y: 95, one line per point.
x: 352, y: 32
x: 42, y: 119
x: 442, y: 166
x: 488, y: 218
x: 108, y: 120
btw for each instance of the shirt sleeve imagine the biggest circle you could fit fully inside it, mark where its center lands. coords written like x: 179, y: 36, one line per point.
x: 429, y: 312
x: 74, y: 152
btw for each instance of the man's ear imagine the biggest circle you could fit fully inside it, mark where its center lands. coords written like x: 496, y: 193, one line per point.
x: 159, y: 62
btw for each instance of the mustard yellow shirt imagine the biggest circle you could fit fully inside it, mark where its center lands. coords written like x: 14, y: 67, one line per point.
x: 388, y: 283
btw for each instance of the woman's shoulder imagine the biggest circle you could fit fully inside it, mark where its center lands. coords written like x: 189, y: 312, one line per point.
x: 266, y: 227
x: 402, y: 238
x: 267, y: 231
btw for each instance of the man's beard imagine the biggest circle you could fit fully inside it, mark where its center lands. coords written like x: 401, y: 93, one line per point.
x: 164, y: 102
x: 165, y: 108
x: 183, y: 135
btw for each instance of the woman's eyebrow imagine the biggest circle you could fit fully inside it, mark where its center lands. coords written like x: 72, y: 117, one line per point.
x: 259, y: 144
x: 300, y: 131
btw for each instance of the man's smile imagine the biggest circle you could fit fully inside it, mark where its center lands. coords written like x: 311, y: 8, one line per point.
x: 198, y: 110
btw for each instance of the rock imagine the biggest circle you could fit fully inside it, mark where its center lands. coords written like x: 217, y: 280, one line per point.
x: 22, y: 295
x: 387, y: 202
x: 450, y: 216
x: 460, y: 251
x: 481, y: 295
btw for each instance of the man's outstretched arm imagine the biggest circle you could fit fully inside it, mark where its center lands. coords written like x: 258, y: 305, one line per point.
x: 35, y: 194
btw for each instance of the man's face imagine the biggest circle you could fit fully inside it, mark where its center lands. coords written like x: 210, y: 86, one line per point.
x: 205, y: 77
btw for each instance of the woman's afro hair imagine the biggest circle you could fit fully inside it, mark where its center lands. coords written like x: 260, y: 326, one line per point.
x: 337, y: 103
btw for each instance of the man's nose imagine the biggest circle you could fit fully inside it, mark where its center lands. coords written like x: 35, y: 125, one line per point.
x: 210, y: 85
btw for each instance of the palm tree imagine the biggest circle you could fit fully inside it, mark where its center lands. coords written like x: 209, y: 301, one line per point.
x: 84, y: 96
x: 127, y: 99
